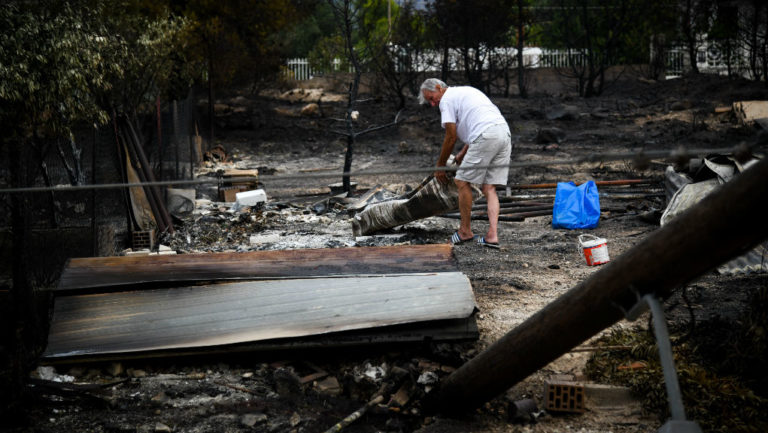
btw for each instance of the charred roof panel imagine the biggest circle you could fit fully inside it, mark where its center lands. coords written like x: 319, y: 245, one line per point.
x: 232, y: 313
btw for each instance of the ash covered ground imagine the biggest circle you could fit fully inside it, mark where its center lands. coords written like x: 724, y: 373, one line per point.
x: 304, y: 391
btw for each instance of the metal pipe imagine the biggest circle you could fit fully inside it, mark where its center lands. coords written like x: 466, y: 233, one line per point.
x: 162, y: 212
x: 597, y: 182
x: 131, y: 146
x: 667, y: 361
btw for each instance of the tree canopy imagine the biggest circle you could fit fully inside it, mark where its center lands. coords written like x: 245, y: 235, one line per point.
x: 52, y: 60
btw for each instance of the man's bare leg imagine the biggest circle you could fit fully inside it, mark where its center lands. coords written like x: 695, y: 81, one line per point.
x: 465, y: 209
x: 493, y: 212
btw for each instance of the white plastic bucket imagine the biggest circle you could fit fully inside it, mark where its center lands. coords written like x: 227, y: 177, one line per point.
x: 595, y: 249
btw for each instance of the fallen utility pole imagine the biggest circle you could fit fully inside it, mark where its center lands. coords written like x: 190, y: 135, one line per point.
x: 725, y: 224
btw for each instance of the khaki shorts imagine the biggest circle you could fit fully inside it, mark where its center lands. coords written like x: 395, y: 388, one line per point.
x: 492, y: 148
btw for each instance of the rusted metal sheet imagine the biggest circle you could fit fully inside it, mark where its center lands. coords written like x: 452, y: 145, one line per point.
x: 86, y: 273
x: 241, y: 312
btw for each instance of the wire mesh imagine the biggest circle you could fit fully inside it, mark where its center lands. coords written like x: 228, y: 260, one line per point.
x: 92, y: 156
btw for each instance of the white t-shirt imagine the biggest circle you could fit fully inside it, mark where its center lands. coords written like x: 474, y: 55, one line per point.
x: 470, y: 110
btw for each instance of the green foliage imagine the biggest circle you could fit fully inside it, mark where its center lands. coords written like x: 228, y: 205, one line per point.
x: 603, y: 33
x: 471, y: 24
x: 396, y: 38
x: 720, y: 370
x: 726, y: 22
x: 605, y: 28
x: 616, y: 29
x: 523, y: 13
x: 377, y: 18
x: 374, y: 36
x: 327, y: 49
x: 77, y: 60
x: 634, y: 43
x: 151, y: 53
x: 474, y: 29
x: 303, y: 36
x: 239, y: 40
x: 51, y: 61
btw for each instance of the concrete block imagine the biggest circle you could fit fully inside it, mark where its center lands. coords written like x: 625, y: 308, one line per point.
x: 143, y: 239
x: 564, y: 397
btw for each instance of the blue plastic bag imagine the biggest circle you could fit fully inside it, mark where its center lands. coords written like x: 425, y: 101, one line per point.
x: 576, y: 207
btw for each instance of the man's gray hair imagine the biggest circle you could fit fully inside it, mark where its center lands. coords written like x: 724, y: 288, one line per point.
x: 431, y: 85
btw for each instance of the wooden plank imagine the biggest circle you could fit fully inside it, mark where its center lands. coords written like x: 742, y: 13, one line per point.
x: 93, y: 272
x: 232, y: 313
x: 240, y: 173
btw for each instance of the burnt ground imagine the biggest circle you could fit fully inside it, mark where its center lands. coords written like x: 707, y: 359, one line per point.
x: 276, y: 392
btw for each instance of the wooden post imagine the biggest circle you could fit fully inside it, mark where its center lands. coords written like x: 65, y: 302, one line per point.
x: 725, y: 224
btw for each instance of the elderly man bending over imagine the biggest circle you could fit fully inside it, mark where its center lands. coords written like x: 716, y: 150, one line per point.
x: 468, y: 115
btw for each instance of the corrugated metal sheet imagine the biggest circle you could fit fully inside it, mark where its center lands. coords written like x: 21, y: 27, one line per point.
x: 685, y: 194
x: 755, y: 261
x: 93, y: 272
x: 231, y: 313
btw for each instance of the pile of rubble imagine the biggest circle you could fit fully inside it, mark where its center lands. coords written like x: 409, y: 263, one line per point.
x: 279, y: 396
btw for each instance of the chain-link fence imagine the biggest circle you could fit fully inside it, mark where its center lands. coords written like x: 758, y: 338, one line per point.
x: 95, y: 222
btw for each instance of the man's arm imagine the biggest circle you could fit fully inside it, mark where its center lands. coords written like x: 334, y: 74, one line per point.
x: 460, y: 156
x: 448, y: 142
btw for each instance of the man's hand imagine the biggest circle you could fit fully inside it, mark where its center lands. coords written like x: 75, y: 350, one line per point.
x: 445, y: 151
x: 460, y: 156
x: 441, y: 176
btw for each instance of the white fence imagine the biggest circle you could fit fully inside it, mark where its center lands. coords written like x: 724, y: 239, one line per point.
x: 676, y: 62
x: 708, y: 60
x: 300, y: 69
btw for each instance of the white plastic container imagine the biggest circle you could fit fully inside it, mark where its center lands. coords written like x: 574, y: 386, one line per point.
x: 595, y: 249
x: 250, y: 198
